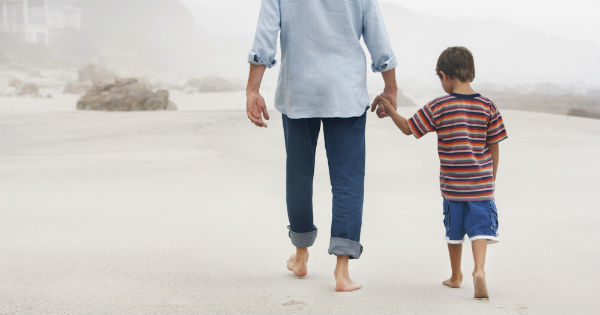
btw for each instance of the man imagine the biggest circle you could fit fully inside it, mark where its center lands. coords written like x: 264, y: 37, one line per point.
x: 322, y: 80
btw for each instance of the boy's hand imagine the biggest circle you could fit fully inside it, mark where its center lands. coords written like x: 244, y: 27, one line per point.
x: 381, y: 110
x: 383, y: 104
x: 255, y: 106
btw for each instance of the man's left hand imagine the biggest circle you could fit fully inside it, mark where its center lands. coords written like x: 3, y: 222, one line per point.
x: 381, y: 112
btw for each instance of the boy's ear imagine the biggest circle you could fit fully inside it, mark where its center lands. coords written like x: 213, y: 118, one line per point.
x: 443, y: 75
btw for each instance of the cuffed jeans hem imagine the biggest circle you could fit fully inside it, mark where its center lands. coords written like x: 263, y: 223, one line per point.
x: 345, y: 247
x: 303, y: 240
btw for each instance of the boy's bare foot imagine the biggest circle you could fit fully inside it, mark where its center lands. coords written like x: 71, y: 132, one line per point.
x: 454, y: 282
x: 298, y: 264
x: 481, y: 291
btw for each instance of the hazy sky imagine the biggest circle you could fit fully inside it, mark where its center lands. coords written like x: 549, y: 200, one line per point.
x: 573, y: 19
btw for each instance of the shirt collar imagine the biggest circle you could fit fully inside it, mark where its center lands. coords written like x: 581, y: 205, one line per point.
x: 465, y: 95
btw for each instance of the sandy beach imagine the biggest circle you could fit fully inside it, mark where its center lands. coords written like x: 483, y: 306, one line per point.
x: 184, y: 213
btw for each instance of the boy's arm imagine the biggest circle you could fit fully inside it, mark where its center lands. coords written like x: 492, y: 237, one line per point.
x: 496, y: 132
x: 400, y: 121
x: 495, y: 150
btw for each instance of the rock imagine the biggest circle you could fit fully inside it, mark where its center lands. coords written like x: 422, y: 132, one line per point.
x: 583, y: 113
x: 96, y: 74
x: 76, y: 88
x: 126, y: 81
x: 15, y: 83
x: 171, y: 106
x: 157, y: 100
x: 29, y: 89
x: 214, y: 84
x: 25, y: 89
x: 124, y: 95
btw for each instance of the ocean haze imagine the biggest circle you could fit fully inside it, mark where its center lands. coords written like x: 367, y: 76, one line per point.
x: 506, y: 53
x: 575, y: 19
x: 171, y: 42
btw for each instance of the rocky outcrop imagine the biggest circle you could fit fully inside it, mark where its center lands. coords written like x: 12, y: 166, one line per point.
x: 29, y: 89
x: 16, y: 84
x: 24, y: 89
x: 125, y: 95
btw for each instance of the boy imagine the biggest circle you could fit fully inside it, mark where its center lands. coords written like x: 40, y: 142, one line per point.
x: 469, y: 128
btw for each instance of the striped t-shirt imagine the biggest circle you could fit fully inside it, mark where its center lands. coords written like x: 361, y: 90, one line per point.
x: 465, y: 125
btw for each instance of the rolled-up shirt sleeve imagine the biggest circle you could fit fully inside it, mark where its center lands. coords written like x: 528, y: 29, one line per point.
x: 376, y: 38
x: 265, y: 41
x: 422, y: 122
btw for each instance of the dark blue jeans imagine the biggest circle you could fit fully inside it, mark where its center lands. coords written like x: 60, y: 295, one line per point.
x: 345, y: 145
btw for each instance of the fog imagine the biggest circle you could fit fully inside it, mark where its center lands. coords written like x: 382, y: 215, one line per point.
x: 575, y: 19
x: 540, y: 47
x: 526, y: 37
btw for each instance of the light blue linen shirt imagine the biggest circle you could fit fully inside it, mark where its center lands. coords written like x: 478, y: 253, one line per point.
x: 323, y: 65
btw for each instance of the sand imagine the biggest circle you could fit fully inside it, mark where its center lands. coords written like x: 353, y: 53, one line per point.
x: 184, y: 213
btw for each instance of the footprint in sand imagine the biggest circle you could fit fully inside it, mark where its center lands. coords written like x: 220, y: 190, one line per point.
x: 294, y: 303
x: 522, y: 309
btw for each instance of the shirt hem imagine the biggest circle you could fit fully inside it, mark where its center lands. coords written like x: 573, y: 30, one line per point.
x: 468, y: 199
x: 352, y: 114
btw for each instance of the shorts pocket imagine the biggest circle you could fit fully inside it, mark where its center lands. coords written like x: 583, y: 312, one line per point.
x: 494, y: 216
x: 447, y: 216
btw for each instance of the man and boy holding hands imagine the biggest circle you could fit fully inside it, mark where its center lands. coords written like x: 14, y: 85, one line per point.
x: 322, y: 82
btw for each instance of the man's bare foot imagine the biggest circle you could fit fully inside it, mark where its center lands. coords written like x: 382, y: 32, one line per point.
x: 481, y: 291
x: 454, y: 281
x: 343, y: 283
x: 298, y: 264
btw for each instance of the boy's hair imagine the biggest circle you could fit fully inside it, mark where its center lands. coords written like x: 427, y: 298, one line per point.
x: 457, y: 62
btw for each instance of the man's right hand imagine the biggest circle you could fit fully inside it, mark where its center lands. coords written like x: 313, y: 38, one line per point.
x: 256, y: 109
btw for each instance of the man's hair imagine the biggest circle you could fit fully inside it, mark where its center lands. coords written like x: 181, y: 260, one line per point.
x: 457, y: 62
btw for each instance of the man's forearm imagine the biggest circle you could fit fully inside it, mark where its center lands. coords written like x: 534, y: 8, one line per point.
x: 255, y: 78
x: 389, y: 77
x: 495, y: 151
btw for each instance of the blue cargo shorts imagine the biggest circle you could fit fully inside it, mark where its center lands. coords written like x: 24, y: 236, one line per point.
x: 477, y: 219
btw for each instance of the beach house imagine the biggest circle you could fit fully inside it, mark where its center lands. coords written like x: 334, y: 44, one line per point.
x: 37, y: 21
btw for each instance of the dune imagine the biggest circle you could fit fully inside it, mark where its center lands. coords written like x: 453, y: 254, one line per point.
x: 184, y: 213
